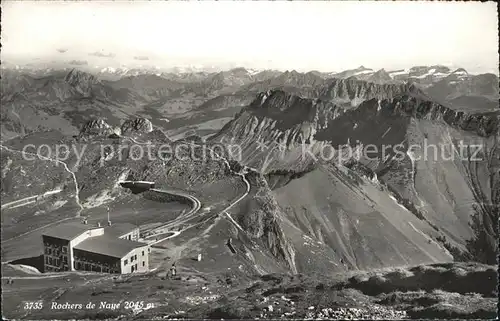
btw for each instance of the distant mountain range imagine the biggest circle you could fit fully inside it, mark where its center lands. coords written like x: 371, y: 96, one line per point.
x: 174, y: 99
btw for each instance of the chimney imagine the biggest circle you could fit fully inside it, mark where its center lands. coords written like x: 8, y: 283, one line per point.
x: 98, y: 224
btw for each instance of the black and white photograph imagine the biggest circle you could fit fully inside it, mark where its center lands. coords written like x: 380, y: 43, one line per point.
x: 230, y: 160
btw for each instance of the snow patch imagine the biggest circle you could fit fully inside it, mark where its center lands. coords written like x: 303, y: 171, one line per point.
x: 253, y: 71
x: 368, y: 71
x: 401, y: 72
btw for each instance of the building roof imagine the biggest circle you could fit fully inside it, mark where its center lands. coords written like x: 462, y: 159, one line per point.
x: 119, y: 229
x: 109, y: 245
x: 68, y: 231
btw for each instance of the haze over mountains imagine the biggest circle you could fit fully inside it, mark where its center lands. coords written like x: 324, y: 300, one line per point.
x: 288, y: 159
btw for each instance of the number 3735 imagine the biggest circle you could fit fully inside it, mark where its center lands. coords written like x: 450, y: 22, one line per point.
x: 30, y: 305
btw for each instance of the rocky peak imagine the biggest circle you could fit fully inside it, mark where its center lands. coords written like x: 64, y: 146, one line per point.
x: 96, y: 127
x: 142, y: 125
x: 352, y: 92
x: 460, y: 71
x: 360, y: 68
x: 419, y: 68
x: 277, y: 117
x: 441, y: 69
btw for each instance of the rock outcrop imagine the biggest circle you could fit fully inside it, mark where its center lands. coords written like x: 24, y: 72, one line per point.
x: 141, y: 125
x: 97, y: 127
x: 289, y: 118
x: 279, y: 130
x: 380, y: 77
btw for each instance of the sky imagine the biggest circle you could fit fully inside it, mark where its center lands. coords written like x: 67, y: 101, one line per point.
x: 322, y: 35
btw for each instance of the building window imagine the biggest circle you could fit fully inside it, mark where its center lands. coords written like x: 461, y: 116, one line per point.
x: 126, y: 262
x: 65, y: 259
x: 142, y: 253
x: 143, y: 263
x: 65, y: 249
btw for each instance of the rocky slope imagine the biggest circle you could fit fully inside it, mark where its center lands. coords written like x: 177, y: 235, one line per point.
x: 358, y: 72
x: 147, y: 88
x: 281, y: 132
x: 61, y: 101
x: 327, y: 199
x: 351, y: 92
x: 50, y: 98
x: 292, y: 81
